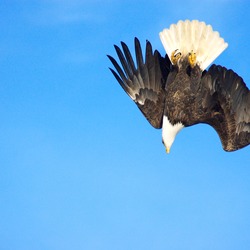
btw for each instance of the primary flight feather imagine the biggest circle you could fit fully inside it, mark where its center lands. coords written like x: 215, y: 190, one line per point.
x: 177, y: 91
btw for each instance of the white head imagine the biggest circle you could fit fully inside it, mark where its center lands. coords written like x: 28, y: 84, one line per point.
x: 169, y: 132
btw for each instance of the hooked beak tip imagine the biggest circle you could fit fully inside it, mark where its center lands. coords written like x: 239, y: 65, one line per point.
x: 167, y: 150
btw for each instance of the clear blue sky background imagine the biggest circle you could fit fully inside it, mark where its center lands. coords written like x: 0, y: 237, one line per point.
x: 80, y: 167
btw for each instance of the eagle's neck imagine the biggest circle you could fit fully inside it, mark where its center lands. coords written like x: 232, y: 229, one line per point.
x: 169, y: 131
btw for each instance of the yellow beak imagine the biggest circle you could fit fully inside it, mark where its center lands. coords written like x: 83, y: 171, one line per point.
x: 167, y: 150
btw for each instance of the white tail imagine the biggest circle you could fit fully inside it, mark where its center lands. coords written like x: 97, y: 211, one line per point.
x: 195, y: 36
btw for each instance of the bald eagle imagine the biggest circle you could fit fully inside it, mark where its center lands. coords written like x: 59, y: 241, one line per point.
x: 176, y: 91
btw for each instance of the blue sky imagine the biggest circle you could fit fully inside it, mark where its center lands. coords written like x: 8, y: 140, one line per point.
x: 80, y: 166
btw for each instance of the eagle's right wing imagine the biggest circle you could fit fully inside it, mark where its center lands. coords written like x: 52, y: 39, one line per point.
x: 145, y: 82
x: 225, y: 101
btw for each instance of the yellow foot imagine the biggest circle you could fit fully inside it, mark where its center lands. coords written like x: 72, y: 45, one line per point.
x: 192, y: 59
x: 175, y: 56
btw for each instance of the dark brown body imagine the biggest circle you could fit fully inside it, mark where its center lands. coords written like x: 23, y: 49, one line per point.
x: 218, y: 97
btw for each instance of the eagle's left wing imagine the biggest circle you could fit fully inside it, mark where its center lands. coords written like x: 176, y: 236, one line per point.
x: 144, y: 83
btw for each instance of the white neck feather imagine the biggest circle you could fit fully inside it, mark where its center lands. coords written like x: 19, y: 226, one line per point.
x: 169, y: 131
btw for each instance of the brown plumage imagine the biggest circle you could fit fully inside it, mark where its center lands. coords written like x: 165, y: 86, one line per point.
x: 186, y: 95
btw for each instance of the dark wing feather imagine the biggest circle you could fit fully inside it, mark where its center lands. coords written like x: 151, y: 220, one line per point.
x: 224, y: 103
x: 145, y: 82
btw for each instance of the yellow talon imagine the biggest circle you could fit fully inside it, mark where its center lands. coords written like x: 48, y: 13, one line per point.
x: 175, y: 56
x: 192, y: 59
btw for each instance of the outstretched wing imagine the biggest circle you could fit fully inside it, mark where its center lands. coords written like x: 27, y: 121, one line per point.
x: 224, y: 100
x: 145, y: 82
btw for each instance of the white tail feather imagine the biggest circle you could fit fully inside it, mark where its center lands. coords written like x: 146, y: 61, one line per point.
x: 195, y: 36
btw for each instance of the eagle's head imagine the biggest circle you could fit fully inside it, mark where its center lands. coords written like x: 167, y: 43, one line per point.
x: 169, y: 132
